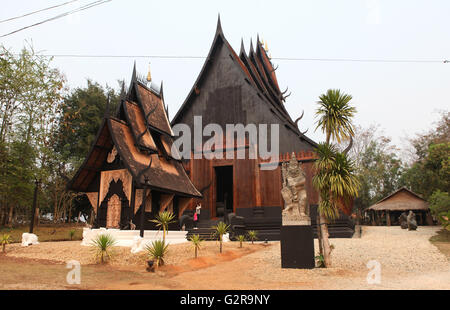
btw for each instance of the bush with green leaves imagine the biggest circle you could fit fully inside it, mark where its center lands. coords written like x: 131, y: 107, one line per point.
x: 444, y: 218
x: 6, y: 239
x: 219, y: 230
x: 252, y: 235
x: 162, y: 220
x: 102, y: 245
x: 241, y: 238
x: 196, y: 242
x: 157, y: 250
x: 71, y: 234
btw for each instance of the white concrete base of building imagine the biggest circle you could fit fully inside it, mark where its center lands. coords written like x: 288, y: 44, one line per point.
x: 131, y: 238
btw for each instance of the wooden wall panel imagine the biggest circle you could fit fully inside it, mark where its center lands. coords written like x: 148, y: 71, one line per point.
x: 243, y: 183
x: 271, y: 187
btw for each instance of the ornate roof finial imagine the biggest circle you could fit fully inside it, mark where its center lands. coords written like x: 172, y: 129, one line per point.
x: 265, y: 47
x: 149, y: 75
x: 219, y: 25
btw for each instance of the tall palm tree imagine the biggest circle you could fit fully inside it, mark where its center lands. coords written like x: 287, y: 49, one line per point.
x: 334, y: 179
x: 163, y: 219
x: 335, y: 114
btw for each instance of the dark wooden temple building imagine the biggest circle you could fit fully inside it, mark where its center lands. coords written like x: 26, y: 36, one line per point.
x: 131, y: 156
x: 243, y: 89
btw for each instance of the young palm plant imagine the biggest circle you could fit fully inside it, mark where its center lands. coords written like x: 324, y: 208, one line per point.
x: 252, y: 235
x: 219, y: 230
x: 196, y: 242
x: 162, y: 220
x: 334, y: 179
x: 6, y: 239
x: 157, y: 251
x: 102, y: 245
x: 241, y: 238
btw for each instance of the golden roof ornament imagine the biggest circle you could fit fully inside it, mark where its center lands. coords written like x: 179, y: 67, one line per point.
x: 149, y: 75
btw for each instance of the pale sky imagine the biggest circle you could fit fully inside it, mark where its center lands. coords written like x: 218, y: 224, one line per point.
x: 404, y: 98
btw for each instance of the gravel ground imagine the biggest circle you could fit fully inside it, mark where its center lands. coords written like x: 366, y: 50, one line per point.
x: 407, y: 259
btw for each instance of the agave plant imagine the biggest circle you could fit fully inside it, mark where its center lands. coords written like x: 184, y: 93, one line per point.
x: 157, y: 251
x: 241, y: 238
x: 6, y: 239
x: 102, y: 245
x: 252, y: 235
x: 219, y: 230
x: 71, y: 234
x: 196, y: 241
x: 162, y: 220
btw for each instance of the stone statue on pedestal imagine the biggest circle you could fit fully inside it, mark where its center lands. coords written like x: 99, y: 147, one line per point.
x: 296, y: 209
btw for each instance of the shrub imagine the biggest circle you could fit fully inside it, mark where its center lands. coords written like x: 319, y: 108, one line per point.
x: 6, y: 239
x: 157, y: 251
x: 71, y: 234
x: 102, y: 245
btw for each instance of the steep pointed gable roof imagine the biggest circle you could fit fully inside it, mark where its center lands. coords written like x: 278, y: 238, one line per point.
x: 144, y: 146
x: 253, y: 69
x: 219, y: 38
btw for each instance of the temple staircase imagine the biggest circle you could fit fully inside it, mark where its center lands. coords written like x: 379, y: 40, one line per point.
x: 204, y: 229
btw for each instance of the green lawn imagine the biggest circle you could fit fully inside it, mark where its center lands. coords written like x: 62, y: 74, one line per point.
x: 48, y: 232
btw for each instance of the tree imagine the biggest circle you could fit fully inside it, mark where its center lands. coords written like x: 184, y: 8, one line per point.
x: 31, y: 94
x: 80, y: 119
x: 431, y: 169
x: 334, y: 180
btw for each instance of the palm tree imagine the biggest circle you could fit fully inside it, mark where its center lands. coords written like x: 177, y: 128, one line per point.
x: 334, y: 180
x: 157, y: 251
x: 6, y: 239
x: 335, y: 115
x: 102, y: 245
x: 219, y: 230
x: 162, y: 220
x: 252, y: 235
x: 196, y: 241
x: 241, y: 238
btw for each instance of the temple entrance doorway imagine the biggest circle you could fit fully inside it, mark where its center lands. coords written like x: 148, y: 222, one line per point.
x: 224, y: 190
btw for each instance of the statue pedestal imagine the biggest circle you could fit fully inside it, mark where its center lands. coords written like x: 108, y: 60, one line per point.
x: 297, y: 247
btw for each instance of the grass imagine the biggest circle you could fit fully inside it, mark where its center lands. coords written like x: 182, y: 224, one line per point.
x: 442, y: 236
x: 442, y: 241
x: 48, y: 232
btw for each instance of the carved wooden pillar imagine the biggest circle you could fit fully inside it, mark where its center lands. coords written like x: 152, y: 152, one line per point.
x: 388, y: 218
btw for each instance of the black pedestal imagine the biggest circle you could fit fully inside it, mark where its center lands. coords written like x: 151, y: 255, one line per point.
x: 297, y: 247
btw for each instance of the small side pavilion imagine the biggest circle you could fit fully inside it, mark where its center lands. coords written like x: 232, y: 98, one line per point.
x: 402, y: 200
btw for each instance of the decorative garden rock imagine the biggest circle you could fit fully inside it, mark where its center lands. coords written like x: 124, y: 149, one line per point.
x: 295, y: 210
x: 412, y: 223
